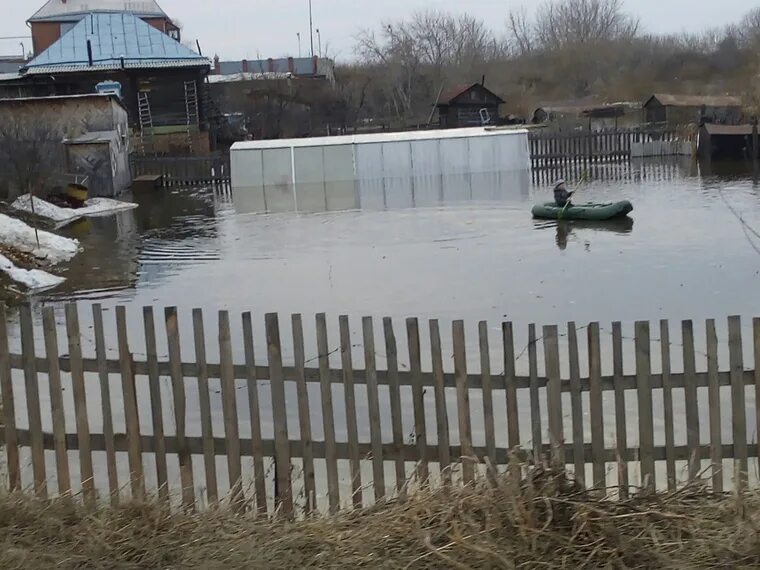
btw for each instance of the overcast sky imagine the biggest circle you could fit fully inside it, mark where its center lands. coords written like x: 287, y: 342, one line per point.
x: 250, y: 28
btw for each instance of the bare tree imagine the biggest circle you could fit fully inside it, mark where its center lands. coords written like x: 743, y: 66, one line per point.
x: 564, y: 23
x: 521, y: 31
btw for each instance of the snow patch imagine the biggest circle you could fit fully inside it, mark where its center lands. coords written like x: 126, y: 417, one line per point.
x: 34, y: 279
x: 52, y: 249
x: 61, y: 216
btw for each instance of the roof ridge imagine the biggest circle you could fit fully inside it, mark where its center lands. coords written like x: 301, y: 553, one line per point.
x: 116, y: 39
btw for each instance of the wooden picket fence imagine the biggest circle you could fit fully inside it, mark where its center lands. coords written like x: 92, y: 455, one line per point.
x: 552, y: 149
x: 461, y: 458
x: 184, y: 170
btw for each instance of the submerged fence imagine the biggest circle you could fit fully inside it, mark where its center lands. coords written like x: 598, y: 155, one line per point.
x: 541, y: 398
x: 184, y: 170
x: 552, y: 150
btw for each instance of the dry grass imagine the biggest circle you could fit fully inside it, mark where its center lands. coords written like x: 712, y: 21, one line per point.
x: 541, y: 521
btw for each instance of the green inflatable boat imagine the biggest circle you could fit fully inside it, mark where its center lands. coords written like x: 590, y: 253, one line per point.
x: 594, y: 212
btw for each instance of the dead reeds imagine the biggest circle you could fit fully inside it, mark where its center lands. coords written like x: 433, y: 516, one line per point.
x: 542, y: 519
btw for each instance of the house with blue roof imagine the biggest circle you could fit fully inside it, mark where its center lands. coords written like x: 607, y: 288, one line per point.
x: 161, y: 82
x: 56, y: 17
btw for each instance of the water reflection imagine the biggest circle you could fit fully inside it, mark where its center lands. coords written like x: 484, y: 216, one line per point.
x: 566, y: 229
x: 384, y: 193
x: 140, y: 246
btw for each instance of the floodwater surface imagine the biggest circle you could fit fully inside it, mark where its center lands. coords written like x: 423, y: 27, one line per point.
x: 691, y: 250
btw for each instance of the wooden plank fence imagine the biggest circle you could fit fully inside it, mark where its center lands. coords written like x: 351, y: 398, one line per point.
x: 552, y: 150
x: 184, y: 170
x: 455, y: 459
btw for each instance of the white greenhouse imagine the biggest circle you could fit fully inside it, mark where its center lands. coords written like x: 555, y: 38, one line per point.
x: 420, y: 168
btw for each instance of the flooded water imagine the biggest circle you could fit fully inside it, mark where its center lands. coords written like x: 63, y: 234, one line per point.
x: 684, y: 254
x: 690, y: 251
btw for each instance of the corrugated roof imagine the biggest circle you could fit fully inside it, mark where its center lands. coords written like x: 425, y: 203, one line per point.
x: 238, y: 77
x: 67, y: 9
x: 118, y: 40
x: 670, y: 100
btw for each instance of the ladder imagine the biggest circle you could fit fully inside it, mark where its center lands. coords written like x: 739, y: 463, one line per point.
x: 191, y: 112
x: 146, y: 123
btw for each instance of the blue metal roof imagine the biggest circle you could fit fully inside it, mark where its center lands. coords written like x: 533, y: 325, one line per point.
x: 118, y: 40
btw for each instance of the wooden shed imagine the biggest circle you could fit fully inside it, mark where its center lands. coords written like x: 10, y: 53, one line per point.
x: 676, y: 110
x: 468, y: 106
x: 725, y: 141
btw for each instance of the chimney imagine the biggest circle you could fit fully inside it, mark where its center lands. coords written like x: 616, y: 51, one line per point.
x: 217, y: 66
x: 291, y: 65
x: 270, y: 65
x: 245, y: 66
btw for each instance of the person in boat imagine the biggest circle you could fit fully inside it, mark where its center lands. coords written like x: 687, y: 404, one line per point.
x: 561, y: 194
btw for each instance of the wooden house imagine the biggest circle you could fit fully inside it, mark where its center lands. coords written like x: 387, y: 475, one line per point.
x: 160, y: 81
x: 676, y: 110
x: 57, y: 17
x: 468, y: 106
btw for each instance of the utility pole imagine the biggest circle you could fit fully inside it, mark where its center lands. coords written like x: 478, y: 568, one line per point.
x: 319, y: 42
x: 311, y: 28
x: 299, y: 43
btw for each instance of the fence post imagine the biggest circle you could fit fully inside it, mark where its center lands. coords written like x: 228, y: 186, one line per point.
x: 34, y: 413
x: 554, y: 396
x: 646, y: 419
x: 739, y: 419
x: 373, y: 402
x: 418, y: 398
x: 328, y: 415
x: 180, y: 408
x: 204, y: 401
x: 284, y: 493
x: 259, y: 475
x: 576, y: 405
x: 8, y: 407
x: 468, y: 457
x: 230, y: 414
x: 441, y: 410
x: 667, y: 402
x: 713, y: 391
x: 621, y: 437
x: 596, y: 405
x: 304, y: 415
x: 351, y: 420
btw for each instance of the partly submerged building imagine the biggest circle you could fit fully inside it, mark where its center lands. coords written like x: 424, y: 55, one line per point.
x: 160, y: 81
x: 415, y: 168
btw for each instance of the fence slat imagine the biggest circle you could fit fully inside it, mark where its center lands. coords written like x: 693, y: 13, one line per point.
x: 535, y: 406
x: 739, y: 419
x: 667, y: 402
x: 463, y: 403
x: 101, y: 354
x: 513, y: 419
x: 204, y: 402
x: 230, y: 413
x: 373, y: 402
x: 713, y: 396
x: 56, y: 400
x: 576, y: 404
x: 180, y: 408
x: 304, y: 415
x: 646, y: 419
x: 621, y: 435
x: 756, y: 355
x: 418, y: 398
x: 351, y: 421
x: 690, y: 397
x: 394, y: 391
x: 34, y: 412
x: 441, y: 410
x: 8, y: 407
x: 485, y: 374
x: 80, y: 401
x: 254, y: 406
x: 596, y: 405
x: 131, y: 415
x: 284, y: 491
x: 328, y: 414
x: 554, y: 395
